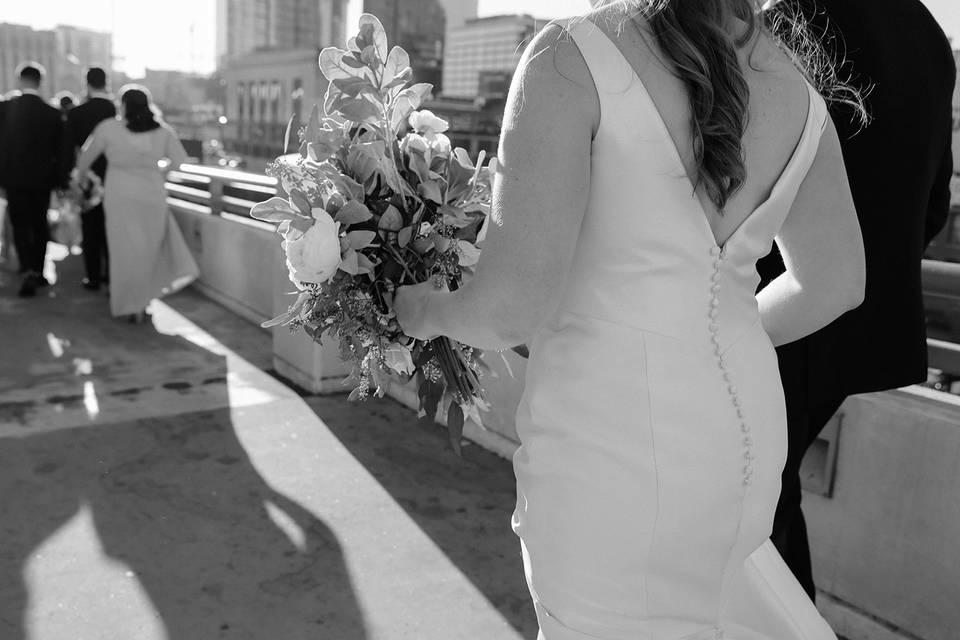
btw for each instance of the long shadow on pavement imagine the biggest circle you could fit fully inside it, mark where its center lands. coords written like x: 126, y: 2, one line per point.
x: 174, y: 497
x: 463, y: 505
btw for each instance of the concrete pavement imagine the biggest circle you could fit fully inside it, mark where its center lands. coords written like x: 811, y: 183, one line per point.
x: 156, y: 483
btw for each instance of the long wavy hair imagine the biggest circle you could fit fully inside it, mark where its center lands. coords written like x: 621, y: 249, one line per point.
x: 694, y: 37
x: 138, y: 110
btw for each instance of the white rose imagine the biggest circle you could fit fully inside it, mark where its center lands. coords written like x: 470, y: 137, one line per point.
x: 415, y: 142
x: 440, y: 146
x: 314, y: 257
x: 426, y: 122
x: 399, y: 359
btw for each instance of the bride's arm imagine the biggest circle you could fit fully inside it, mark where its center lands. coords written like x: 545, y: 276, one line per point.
x: 822, y: 249
x: 539, y: 198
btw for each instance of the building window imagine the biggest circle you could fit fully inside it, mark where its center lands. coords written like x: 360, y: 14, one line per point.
x: 275, y: 101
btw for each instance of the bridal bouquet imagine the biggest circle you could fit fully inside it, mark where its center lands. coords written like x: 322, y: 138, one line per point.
x: 377, y: 199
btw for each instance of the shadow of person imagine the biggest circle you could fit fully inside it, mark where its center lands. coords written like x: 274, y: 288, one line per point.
x: 172, y: 495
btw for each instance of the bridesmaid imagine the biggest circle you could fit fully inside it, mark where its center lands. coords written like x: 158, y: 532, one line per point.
x: 149, y: 257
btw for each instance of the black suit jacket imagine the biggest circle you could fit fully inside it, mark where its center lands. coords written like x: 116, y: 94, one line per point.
x: 81, y: 121
x: 31, y: 133
x: 899, y: 168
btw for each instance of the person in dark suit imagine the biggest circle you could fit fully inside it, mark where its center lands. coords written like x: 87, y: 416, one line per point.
x: 32, y: 134
x: 899, y: 168
x: 81, y: 121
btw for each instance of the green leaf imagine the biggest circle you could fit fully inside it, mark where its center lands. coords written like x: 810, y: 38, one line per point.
x: 431, y: 191
x: 403, y: 239
x: 407, y: 101
x: 455, y: 422
x: 353, y: 212
x: 359, y: 110
x: 334, y: 66
x: 372, y: 33
x: 349, y: 263
x: 301, y: 202
x: 291, y: 313
x: 391, y: 220
x: 286, y: 134
x: 354, y: 87
x: 275, y: 210
x: 361, y: 239
x: 365, y: 264
x: 397, y: 63
x: 355, y: 395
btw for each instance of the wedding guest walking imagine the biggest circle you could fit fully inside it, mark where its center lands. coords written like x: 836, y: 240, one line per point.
x: 900, y: 168
x: 81, y: 121
x: 148, y: 255
x: 31, y: 136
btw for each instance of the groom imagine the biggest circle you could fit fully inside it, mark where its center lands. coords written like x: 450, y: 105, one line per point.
x: 900, y: 168
x: 30, y: 147
x: 81, y: 121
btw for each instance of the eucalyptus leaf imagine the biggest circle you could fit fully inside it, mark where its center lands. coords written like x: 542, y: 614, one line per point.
x: 301, y: 202
x: 275, y: 210
x: 291, y: 313
x: 373, y: 33
x: 333, y: 67
x: 430, y: 190
x: 354, y: 87
x: 359, y: 110
x: 361, y: 239
x: 391, y: 220
x: 403, y: 238
x: 353, y: 212
x: 397, y: 62
x: 349, y: 263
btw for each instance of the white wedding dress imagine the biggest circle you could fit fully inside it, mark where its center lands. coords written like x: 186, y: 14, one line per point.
x: 653, y: 426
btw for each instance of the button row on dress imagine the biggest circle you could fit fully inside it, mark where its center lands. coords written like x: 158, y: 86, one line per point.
x: 714, y: 328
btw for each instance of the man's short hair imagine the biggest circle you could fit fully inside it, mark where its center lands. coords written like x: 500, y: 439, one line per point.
x: 96, y: 78
x: 32, y: 72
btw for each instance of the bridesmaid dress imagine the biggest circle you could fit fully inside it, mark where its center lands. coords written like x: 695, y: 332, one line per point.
x: 652, y: 424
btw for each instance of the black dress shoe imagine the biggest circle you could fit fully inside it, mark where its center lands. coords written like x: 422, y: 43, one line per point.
x: 29, y: 287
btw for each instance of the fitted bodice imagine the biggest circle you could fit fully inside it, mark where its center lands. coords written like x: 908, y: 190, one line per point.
x: 658, y: 252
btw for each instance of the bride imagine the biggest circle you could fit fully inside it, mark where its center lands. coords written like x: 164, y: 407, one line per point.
x: 652, y: 151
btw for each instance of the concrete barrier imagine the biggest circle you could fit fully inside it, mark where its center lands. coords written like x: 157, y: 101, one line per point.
x: 883, y: 499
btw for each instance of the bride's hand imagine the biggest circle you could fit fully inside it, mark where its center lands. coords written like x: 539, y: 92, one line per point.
x: 411, y: 305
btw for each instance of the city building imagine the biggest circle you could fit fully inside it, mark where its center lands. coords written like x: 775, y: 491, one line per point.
x: 175, y: 92
x: 65, y: 51
x: 246, y: 26
x: 419, y: 27
x: 474, y: 124
x: 19, y: 43
x: 458, y: 12
x: 264, y: 90
x: 484, y: 46
x: 80, y: 49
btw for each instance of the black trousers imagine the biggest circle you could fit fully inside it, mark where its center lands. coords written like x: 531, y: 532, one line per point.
x: 31, y: 232
x: 96, y: 258
x: 806, y: 418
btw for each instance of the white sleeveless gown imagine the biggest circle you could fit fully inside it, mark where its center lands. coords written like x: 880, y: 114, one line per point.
x: 653, y: 426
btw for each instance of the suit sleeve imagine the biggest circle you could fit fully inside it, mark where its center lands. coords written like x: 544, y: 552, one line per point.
x: 939, y: 207
x: 68, y: 157
x: 58, y: 160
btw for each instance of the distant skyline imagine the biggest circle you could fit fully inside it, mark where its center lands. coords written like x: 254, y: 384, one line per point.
x: 181, y: 34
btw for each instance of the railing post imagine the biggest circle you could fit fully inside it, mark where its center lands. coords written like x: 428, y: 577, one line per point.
x: 216, y: 196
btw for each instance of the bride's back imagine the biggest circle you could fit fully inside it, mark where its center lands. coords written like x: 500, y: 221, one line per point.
x: 776, y: 113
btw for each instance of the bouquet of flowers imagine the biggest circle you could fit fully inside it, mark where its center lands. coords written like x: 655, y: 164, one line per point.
x: 377, y: 199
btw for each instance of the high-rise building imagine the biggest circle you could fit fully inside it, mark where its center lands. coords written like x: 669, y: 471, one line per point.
x: 418, y: 26
x: 20, y: 43
x: 485, y: 48
x: 80, y: 49
x: 458, y: 12
x: 956, y: 119
x: 245, y: 26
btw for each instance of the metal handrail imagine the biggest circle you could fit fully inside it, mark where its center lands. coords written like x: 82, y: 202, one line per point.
x: 220, y: 191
